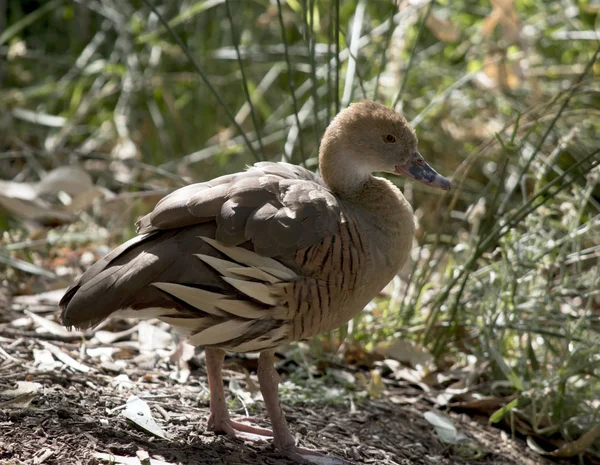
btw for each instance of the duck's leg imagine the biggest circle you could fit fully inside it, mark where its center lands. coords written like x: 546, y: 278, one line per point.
x: 282, y: 438
x: 219, y: 419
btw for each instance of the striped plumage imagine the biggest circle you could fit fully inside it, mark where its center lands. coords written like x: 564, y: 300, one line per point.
x: 275, y: 254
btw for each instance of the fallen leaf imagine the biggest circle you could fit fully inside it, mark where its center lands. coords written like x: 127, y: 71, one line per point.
x: 108, y: 337
x: 41, y: 456
x: 25, y: 266
x: 44, y: 360
x: 22, y: 401
x: 245, y: 397
x: 406, y: 374
x: 152, y: 338
x: 485, y: 405
x: 403, y: 400
x: 23, y: 387
x: 443, y: 426
x: 22, y: 395
x: 69, y: 179
x: 50, y: 326
x: 535, y: 447
x: 43, y: 298
x: 122, y: 382
x: 122, y: 460
x: 138, y: 412
x: 406, y: 352
x: 39, y: 201
x: 65, y: 358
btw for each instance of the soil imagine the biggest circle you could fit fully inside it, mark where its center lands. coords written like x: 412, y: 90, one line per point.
x: 75, y: 415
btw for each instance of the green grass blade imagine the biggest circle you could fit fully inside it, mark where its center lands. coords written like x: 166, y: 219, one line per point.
x: 204, y: 77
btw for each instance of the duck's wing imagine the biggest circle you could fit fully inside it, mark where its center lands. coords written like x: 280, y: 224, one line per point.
x: 277, y: 207
x: 213, y: 257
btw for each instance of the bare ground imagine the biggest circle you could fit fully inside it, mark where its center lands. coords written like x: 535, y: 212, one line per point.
x: 75, y: 413
x: 72, y: 421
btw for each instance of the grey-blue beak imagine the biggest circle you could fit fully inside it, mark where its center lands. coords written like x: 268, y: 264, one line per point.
x: 418, y: 169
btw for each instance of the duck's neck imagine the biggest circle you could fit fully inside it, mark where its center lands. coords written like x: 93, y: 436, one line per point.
x: 376, y: 195
x: 343, y: 176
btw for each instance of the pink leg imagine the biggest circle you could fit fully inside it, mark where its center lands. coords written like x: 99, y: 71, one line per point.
x: 282, y: 438
x: 219, y: 419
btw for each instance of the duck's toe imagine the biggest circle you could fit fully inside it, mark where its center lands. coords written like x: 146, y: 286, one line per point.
x: 240, y: 428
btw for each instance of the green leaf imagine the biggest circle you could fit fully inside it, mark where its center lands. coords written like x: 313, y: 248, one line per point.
x: 31, y: 18
x: 499, y: 414
x: 510, y: 374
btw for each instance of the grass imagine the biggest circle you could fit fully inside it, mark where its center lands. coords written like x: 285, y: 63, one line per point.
x: 155, y: 94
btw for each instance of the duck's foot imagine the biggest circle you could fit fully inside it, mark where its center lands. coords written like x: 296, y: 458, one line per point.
x: 239, y: 429
x: 313, y: 457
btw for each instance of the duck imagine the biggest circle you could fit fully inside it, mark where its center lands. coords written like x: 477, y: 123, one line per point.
x: 275, y: 254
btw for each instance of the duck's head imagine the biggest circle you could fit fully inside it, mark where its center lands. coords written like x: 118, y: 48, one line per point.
x: 369, y: 137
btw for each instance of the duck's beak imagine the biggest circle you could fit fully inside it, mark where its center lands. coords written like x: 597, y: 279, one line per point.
x: 418, y: 169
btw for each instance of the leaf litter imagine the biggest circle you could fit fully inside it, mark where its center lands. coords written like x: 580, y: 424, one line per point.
x: 116, y: 395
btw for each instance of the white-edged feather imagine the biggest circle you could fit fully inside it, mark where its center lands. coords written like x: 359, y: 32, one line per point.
x: 254, y: 273
x: 257, y: 291
x: 265, y: 342
x: 282, y: 275
x: 221, y: 333
x: 222, y: 266
x: 199, y: 298
x: 243, y: 309
x: 188, y: 324
x: 247, y: 257
x: 143, y: 314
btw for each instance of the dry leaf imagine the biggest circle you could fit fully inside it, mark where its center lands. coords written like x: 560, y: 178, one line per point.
x: 41, y: 456
x: 109, y: 337
x: 123, y: 382
x: 138, y: 412
x: 406, y: 374
x: 50, y: 326
x: 122, y: 460
x: 33, y: 210
x: 573, y: 448
x: 406, y: 352
x: 23, y: 387
x: 65, y: 358
x: 444, y: 427
x: 44, y: 360
x: 25, y: 266
x: 152, y: 338
x: 487, y: 405
x: 38, y: 201
x: 404, y: 400
x: 535, y: 447
x: 245, y: 397
x: 69, y: 179
x: 22, y: 401
x: 44, y: 298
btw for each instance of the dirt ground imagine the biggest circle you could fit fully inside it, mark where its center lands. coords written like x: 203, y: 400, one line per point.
x: 74, y: 412
x: 71, y: 420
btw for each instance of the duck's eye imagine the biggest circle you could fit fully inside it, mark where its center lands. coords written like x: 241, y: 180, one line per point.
x: 389, y: 139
